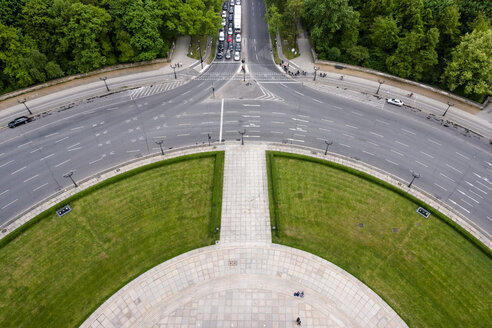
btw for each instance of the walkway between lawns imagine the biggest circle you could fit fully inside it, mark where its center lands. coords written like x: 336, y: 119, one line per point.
x: 245, y: 280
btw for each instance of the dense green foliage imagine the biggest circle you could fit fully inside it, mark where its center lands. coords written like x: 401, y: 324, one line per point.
x: 45, y: 39
x: 432, y: 41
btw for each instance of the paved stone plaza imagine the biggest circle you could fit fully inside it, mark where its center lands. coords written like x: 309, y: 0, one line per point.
x: 245, y: 280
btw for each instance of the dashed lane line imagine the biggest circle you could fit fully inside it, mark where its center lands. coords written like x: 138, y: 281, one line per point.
x: 64, y: 162
x: 372, y: 143
x: 41, y: 186
x: 61, y: 140
x: 351, y: 126
x: 33, y: 177
x: 421, y: 163
x: 428, y: 155
x: 401, y: 143
x: 396, y: 152
x: 382, y: 122
x: 46, y: 157
x: 444, y: 175
x: 408, y: 131
x: 376, y: 134
x: 368, y: 153
x: 453, y: 168
x: 7, y: 163
x: 4, y: 207
x: 441, y: 187
x: 17, y: 171
x: 464, y: 209
x: 24, y: 144
x: 389, y: 161
x: 434, y: 142
x: 464, y: 194
x: 4, y: 192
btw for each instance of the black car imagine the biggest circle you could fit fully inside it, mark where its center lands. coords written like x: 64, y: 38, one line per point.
x: 224, y: 6
x: 220, y: 54
x: 231, y: 10
x: 221, y: 46
x: 230, y: 25
x: 231, y: 17
x: 229, y: 46
x: 19, y: 121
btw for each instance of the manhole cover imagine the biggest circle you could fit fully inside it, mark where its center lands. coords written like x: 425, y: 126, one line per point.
x: 395, y: 229
x: 361, y: 225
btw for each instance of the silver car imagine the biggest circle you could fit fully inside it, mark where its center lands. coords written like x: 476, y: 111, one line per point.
x: 394, y: 101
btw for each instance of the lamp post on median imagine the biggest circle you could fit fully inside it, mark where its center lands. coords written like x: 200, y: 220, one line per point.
x: 160, y: 145
x: 316, y: 68
x: 415, y: 175
x: 379, y: 87
x: 23, y: 101
x: 200, y: 51
x: 69, y: 175
x: 242, y: 136
x: 328, y: 143
x: 104, y: 79
x: 449, y: 105
x: 209, y: 138
x: 174, y: 69
x: 244, y: 70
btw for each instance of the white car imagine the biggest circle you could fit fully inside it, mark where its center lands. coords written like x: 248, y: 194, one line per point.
x: 224, y: 14
x: 224, y: 22
x: 229, y: 30
x: 237, y: 55
x: 221, y: 36
x: 238, y: 38
x: 395, y: 101
x: 238, y: 2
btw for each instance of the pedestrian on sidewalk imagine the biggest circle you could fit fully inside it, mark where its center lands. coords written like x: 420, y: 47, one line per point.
x: 298, y: 321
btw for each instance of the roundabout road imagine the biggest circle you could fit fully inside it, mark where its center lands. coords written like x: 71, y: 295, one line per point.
x: 103, y: 132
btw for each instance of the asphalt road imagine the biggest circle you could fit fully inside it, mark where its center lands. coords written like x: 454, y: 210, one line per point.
x: 103, y: 132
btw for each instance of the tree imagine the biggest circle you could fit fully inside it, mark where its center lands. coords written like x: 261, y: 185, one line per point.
x: 470, y: 69
x: 384, y: 33
x: 294, y: 10
x: 10, y: 11
x: 274, y: 19
x: 38, y: 67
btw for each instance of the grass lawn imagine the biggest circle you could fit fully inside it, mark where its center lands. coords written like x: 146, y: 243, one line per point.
x: 427, y: 272
x: 58, y: 271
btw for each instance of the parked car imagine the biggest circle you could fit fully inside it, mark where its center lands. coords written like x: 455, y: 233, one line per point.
x: 220, y: 46
x: 229, y: 30
x: 231, y: 17
x: 238, y: 2
x: 237, y: 55
x: 231, y: 10
x: 228, y: 54
x: 18, y: 121
x: 395, y: 101
x: 221, y: 36
x: 229, y: 38
x: 231, y: 25
x: 231, y: 3
x: 229, y: 46
x: 238, y: 46
x: 238, y: 37
x: 220, y: 54
x: 224, y: 6
x: 224, y: 22
x: 224, y: 14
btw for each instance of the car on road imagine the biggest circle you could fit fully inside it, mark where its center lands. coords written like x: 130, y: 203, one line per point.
x: 231, y: 3
x: 231, y: 10
x: 220, y: 46
x: 229, y: 38
x: 229, y: 46
x: 238, y: 46
x: 231, y: 17
x: 229, y: 31
x: 224, y: 22
x: 224, y: 6
x: 221, y: 36
x: 394, y: 101
x: 224, y: 14
x: 238, y: 2
x: 228, y: 54
x: 237, y: 55
x: 238, y: 37
x: 220, y: 54
x: 230, y: 25
x: 18, y: 121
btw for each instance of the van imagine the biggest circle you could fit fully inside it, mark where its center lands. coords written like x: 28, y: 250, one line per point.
x: 221, y: 36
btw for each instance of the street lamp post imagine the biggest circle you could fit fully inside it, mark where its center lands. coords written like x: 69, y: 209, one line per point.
x: 379, y: 87
x: 242, y: 136
x: 415, y: 175
x: 244, y: 70
x: 328, y: 143
x: 160, y: 145
x: 174, y: 69
x: 23, y: 101
x: 449, y: 105
x: 200, y: 51
x: 316, y: 68
x: 69, y: 175
x: 104, y: 79
x: 209, y: 138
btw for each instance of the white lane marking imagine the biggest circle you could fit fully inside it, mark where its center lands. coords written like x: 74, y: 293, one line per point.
x: 24, y: 144
x: 481, y: 190
x: 356, y: 113
x: 64, y: 162
x: 298, y: 119
x: 33, y: 177
x: 345, y: 145
x: 17, y: 171
x: 444, y: 175
x: 337, y: 107
x: 3, y: 192
x: 408, y: 131
x: 401, y: 143
x: 4, y: 164
x: 372, y: 143
x: 318, y: 101
x: 10, y: 204
x: 376, y: 134
x: 434, y: 142
x: 186, y: 92
x: 183, y: 135
x: 387, y: 160
x: 159, y: 137
x: 351, y: 126
x: 134, y: 151
x: 382, y: 122
x: 300, y: 94
x: 475, y: 193
x: 276, y: 132
x: 2, y: 154
x: 322, y: 129
x: 464, y: 201
x: 79, y: 127
x: 207, y: 123
x: 50, y: 135
x: 421, y: 163
x: 278, y: 122
x: 305, y: 116
x: 423, y: 153
x: 278, y: 113
x: 489, y: 218
x: 231, y: 112
x: 441, y: 187
x: 348, y: 135
x: 297, y: 140
x: 452, y: 201
x: 368, y: 153
x: 482, y: 185
x: 453, y: 168
x: 464, y: 194
x: 99, y: 159
x: 61, y: 140
x: 325, y: 120
x: 74, y: 145
x: 76, y: 148
x: 41, y: 186
x: 184, y: 124
x: 396, y: 152
x: 248, y: 105
x: 45, y: 157
x: 252, y: 116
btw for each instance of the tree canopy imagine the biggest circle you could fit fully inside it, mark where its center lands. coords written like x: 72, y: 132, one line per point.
x: 46, y: 39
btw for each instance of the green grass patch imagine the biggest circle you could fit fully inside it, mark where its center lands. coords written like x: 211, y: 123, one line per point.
x: 54, y: 272
x: 431, y: 272
x: 193, y: 50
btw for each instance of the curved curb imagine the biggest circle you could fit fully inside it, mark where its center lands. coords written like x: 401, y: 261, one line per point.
x: 153, y: 297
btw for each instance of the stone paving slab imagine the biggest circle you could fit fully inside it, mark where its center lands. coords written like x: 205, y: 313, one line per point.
x: 245, y: 211
x: 245, y: 286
